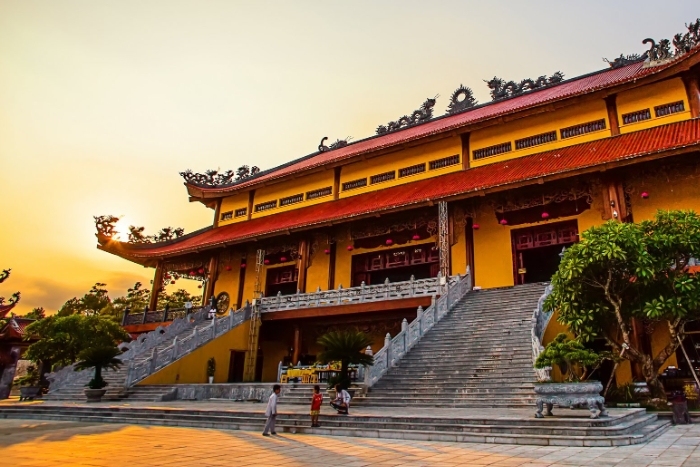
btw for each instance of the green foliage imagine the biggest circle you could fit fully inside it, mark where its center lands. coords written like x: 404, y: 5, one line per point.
x: 347, y: 347
x: 36, y: 313
x: 99, y: 357
x: 624, y: 393
x: 95, y: 302
x: 177, y: 299
x: 136, y: 299
x: 211, y: 366
x: 569, y: 355
x: 30, y: 379
x: 621, y: 271
x: 61, y: 339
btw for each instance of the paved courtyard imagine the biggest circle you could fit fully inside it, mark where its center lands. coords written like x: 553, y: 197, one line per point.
x: 48, y: 444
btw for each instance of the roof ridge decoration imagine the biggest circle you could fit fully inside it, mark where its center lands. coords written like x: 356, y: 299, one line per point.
x: 339, y: 143
x: 14, y: 299
x: 106, y: 228
x: 212, y: 178
x: 502, y: 89
x: 660, y: 53
x: 462, y: 99
x: 421, y: 115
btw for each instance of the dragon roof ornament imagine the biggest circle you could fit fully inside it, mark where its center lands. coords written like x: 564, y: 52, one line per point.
x: 421, y: 115
x: 462, y: 99
x: 212, y: 178
x: 502, y: 89
x: 340, y: 143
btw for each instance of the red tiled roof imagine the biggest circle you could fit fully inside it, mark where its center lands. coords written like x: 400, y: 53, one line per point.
x: 675, y: 136
x: 578, y: 86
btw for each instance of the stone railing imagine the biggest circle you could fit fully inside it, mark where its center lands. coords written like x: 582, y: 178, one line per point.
x: 364, y: 293
x: 394, y: 349
x: 540, y: 319
x: 139, y: 369
x: 158, y: 316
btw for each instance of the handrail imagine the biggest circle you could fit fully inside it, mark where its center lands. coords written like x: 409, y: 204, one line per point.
x: 394, y: 349
x: 540, y: 319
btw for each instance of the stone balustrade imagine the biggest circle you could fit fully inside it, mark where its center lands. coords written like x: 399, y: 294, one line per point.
x: 540, y: 319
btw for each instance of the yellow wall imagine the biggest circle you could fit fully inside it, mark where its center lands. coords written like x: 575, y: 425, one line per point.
x: 397, y: 160
x: 647, y: 97
x: 317, y: 272
x: 538, y: 124
x: 227, y: 281
x: 293, y: 187
x: 458, y: 250
x: 231, y: 203
x: 665, y: 194
x: 192, y: 368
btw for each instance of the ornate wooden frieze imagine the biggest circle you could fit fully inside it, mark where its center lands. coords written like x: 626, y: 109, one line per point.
x: 502, y: 89
x: 422, y: 115
x: 517, y: 201
x: 374, y: 229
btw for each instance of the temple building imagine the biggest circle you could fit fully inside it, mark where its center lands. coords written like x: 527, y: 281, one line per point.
x: 361, y: 234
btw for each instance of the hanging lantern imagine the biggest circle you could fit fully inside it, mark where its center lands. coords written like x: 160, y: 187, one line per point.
x: 350, y: 248
x: 267, y: 261
x: 416, y: 237
x: 389, y: 242
x: 475, y: 226
x: 283, y: 259
x: 645, y: 195
x: 172, y: 282
x: 545, y: 215
x: 191, y: 273
x: 504, y: 222
x: 199, y: 286
x: 327, y: 251
x: 228, y: 268
x: 201, y: 270
x: 242, y: 265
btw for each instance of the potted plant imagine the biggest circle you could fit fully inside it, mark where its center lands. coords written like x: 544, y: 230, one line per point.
x: 574, y: 361
x: 343, y: 348
x: 211, y: 369
x: 98, y: 358
x: 29, y: 387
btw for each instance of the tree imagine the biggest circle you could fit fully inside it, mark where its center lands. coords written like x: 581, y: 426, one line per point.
x: 95, y: 302
x: 347, y: 347
x: 36, y: 313
x: 99, y: 357
x: 136, y: 299
x: 570, y: 356
x: 177, y: 299
x: 61, y: 339
x: 621, y: 272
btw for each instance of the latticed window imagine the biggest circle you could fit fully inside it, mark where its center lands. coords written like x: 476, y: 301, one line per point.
x: 582, y: 129
x: 319, y: 193
x: 266, y: 206
x: 668, y: 109
x: 227, y: 215
x: 412, y: 170
x: 384, y: 177
x: 240, y: 212
x: 493, y: 150
x: 360, y: 182
x: 292, y: 199
x: 638, y: 116
x: 444, y: 162
x: 536, y: 140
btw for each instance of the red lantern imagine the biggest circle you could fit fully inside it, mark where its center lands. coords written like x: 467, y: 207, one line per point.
x: 327, y: 251
x: 228, y: 268
x: 199, y: 286
x: 504, y: 222
x: 475, y: 226
x: 267, y: 261
x: 283, y: 259
x: 645, y: 195
x: 545, y: 215
x: 242, y: 265
x: 416, y: 237
x: 191, y: 273
x: 172, y: 282
x: 389, y: 241
x: 201, y: 270
x: 167, y: 276
x: 350, y: 248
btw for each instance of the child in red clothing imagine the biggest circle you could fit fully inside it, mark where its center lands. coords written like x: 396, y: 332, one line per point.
x: 316, y: 401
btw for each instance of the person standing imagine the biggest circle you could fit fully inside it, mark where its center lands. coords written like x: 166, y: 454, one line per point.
x: 271, y: 411
x: 342, y: 400
x: 316, y: 401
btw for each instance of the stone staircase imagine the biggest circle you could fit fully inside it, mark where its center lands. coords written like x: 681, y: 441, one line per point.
x: 479, y: 355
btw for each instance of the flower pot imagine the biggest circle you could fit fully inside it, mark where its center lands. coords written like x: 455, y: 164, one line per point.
x: 570, y: 395
x: 94, y: 395
x: 28, y: 393
x: 211, y: 380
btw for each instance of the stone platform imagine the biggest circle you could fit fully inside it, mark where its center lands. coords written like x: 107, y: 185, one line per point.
x: 501, y: 425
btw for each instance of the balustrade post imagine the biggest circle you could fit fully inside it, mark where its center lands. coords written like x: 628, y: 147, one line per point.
x: 129, y: 373
x: 434, y: 306
x: 213, y: 327
x: 154, y: 359
x: 404, y: 325
x: 279, y: 371
x: 298, y: 297
x: 413, y: 285
x: 387, y: 351
x: 145, y: 314
x: 447, y: 293
x: 363, y: 291
x: 176, y: 348
x: 419, y: 318
x: 165, y: 312
x: 318, y: 295
x: 195, y: 337
x: 230, y: 319
x: 279, y: 300
x: 386, y: 287
x: 125, y: 318
x: 340, y: 291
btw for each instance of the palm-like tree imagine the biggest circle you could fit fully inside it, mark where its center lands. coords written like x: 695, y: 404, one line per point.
x: 98, y: 358
x: 347, y: 347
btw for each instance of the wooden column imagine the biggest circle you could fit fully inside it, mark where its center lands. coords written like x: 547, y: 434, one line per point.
x: 217, y: 213
x: 611, y: 104
x: 336, y: 183
x: 302, y: 264
x: 444, y: 238
x: 213, y: 273
x: 156, y: 287
x: 465, y: 150
x: 614, y: 200
x: 251, y: 200
x: 692, y: 88
x: 297, y: 344
x: 331, y: 267
x: 469, y: 238
x: 241, y: 283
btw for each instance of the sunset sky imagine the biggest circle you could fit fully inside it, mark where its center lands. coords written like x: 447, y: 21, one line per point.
x: 102, y: 103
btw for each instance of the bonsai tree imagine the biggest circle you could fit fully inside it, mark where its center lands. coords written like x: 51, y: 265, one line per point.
x: 622, y: 272
x: 31, y: 379
x: 572, y: 358
x: 348, y: 348
x: 98, y: 358
x: 211, y: 367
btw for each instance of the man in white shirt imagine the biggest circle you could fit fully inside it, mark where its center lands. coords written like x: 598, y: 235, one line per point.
x: 271, y: 411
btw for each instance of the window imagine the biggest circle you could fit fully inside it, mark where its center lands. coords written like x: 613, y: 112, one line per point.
x: 319, y: 193
x: 412, y: 170
x: 385, y: 177
x: 444, y: 162
x: 638, y: 116
x: 493, y: 150
x: 354, y: 184
x: 668, y: 109
x: 266, y: 206
x: 240, y: 212
x: 292, y: 199
x: 228, y: 215
x: 582, y: 129
x: 536, y: 140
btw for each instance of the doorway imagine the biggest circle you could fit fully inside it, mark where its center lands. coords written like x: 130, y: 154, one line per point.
x: 537, y: 250
x: 236, y: 365
x: 281, y: 280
